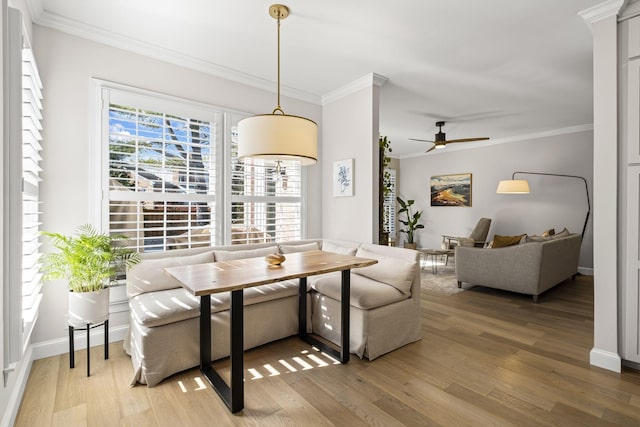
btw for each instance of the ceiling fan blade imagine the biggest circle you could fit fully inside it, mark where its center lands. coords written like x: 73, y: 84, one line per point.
x: 430, y: 149
x: 466, y: 140
x: 420, y: 140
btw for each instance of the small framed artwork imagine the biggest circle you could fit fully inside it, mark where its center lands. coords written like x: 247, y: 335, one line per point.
x: 451, y: 190
x: 343, y: 178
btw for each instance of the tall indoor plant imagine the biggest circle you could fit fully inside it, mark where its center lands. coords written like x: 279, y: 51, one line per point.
x: 88, y: 260
x: 411, y: 223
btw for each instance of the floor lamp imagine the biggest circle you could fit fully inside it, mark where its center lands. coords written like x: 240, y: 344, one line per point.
x: 521, y: 186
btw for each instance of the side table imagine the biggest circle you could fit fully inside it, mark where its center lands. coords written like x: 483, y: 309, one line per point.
x: 88, y: 328
x: 433, y: 253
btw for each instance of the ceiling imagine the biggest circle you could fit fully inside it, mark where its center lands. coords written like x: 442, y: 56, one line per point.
x: 503, y: 69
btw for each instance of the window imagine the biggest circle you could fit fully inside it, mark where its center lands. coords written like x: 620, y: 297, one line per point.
x: 266, y: 200
x: 21, y: 209
x: 162, y: 173
x: 389, y: 204
x: 173, y: 180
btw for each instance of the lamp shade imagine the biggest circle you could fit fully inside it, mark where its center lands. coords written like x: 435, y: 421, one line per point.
x: 277, y: 137
x: 513, y: 186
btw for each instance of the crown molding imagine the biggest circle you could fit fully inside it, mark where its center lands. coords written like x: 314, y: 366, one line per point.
x: 126, y: 43
x: 368, y: 80
x: 508, y: 140
x: 601, y: 11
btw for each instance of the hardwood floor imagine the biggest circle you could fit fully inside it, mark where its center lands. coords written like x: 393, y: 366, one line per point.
x: 486, y: 358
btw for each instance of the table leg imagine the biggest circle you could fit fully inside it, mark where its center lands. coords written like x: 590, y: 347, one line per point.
x: 302, y: 307
x: 232, y: 395
x: 341, y: 354
x: 345, y: 319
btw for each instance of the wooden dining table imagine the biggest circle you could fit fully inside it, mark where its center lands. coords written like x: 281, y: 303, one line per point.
x: 234, y: 276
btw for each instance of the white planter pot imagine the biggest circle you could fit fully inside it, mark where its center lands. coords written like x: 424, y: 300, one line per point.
x: 88, y: 307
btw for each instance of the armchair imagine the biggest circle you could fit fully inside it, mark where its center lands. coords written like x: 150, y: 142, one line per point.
x: 477, y: 238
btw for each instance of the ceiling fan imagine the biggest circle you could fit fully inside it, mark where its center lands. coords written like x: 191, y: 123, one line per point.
x: 441, y: 139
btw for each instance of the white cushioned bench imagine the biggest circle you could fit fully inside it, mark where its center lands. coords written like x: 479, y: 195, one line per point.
x: 163, y: 335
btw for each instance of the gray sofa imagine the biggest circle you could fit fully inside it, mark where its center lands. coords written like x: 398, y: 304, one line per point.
x: 163, y: 332
x: 528, y: 268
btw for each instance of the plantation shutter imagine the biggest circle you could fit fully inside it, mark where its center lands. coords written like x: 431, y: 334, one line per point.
x: 162, y: 173
x: 266, y: 199
x: 389, y: 205
x: 31, y: 148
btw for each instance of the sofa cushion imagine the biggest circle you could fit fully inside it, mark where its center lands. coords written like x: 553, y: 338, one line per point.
x: 536, y: 238
x: 290, y: 249
x: 393, y: 271
x: 148, y: 275
x: 247, y: 253
x: 329, y: 246
x: 504, y: 241
x: 161, y: 308
x: 365, y: 293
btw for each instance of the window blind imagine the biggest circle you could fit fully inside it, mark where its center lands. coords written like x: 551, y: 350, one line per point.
x: 31, y: 148
x: 266, y: 199
x: 162, y: 177
x: 389, y: 204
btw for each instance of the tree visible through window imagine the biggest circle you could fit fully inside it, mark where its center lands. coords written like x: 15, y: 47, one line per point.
x: 173, y: 179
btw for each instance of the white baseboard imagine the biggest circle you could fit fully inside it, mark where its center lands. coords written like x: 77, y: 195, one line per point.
x: 606, y: 360
x: 587, y: 271
x: 61, y: 345
x: 15, y: 398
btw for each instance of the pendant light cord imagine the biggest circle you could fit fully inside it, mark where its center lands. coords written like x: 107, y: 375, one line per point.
x: 278, y: 106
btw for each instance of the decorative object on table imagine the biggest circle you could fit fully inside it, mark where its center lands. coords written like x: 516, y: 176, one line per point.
x: 451, y: 190
x: 441, y: 139
x: 275, y: 260
x: 88, y: 260
x: 521, y: 186
x: 385, y: 186
x: 277, y: 136
x: 411, y: 223
x: 477, y: 238
x: 343, y: 178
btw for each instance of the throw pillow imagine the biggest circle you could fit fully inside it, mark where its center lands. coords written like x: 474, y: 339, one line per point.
x: 504, y: 241
x: 247, y: 253
x: 149, y: 276
x: 392, y: 271
x: 328, y: 246
x: 549, y: 232
x: 563, y: 233
x: 290, y: 249
x: 538, y: 238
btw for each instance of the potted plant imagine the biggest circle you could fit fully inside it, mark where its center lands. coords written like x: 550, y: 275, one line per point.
x: 411, y: 223
x: 89, y: 260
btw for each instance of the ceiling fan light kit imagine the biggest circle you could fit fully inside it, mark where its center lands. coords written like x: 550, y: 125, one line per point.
x: 441, y: 139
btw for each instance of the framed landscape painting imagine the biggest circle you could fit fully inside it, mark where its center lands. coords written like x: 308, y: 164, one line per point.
x: 451, y: 190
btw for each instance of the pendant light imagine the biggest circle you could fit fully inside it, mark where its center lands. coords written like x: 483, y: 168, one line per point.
x: 277, y: 137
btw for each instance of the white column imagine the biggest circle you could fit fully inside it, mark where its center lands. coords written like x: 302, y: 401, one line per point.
x: 603, y: 22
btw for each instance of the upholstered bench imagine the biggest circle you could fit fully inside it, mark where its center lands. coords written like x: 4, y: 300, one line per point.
x: 164, y: 328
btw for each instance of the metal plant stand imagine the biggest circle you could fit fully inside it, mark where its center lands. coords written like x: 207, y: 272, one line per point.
x: 88, y: 328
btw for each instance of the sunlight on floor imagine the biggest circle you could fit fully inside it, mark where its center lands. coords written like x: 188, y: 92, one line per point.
x: 308, y: 359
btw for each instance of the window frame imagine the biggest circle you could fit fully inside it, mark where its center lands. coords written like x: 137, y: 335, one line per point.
x: 99, y: 153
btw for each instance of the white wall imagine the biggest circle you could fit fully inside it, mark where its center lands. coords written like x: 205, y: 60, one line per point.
x: 350, y: 131
x: 67, y: 64
x: 553, y: 202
